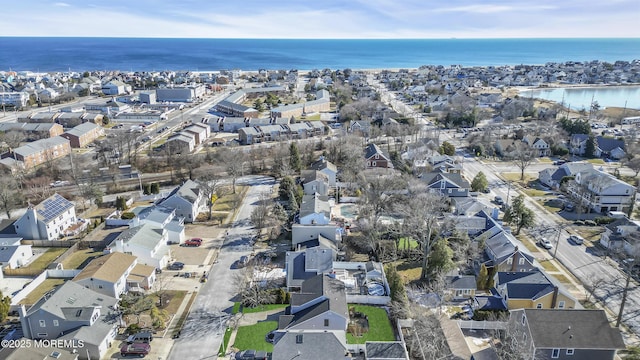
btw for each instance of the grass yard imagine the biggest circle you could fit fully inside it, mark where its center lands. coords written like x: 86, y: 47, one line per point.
x: 409, y: 271
x: 589, y: 233
x: 175, y: 297
x: 515, y: 176
x: 312, y: 117
x: 225, y: 202
x: 528, y: 243
x: 224, y: 347
x: 596, y: 161
x: 46, y: 286
x: 535, y: 192
x: 407, y: 243
x: 548, y: 266
x: 267, y: 307
x: 45, y: 259
x: 236, y: 308
x: 380, y: 328
x: 545, y: 160
x: 253, y: 336
x: 79, y: 257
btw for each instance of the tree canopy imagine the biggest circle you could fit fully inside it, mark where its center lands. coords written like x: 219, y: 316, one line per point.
x: 519, y: 215
x: 479, y: 182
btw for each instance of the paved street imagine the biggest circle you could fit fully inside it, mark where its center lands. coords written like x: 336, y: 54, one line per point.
x: 203, y: 331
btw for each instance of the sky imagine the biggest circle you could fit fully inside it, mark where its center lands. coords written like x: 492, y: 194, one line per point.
x: 328, y: 19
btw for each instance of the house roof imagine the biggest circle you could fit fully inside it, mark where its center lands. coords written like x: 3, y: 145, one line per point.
x: 52, y: 207
x: 188, y: 191
x: 38, y: 146
x: 72, y: 301
x: 525, y: 285
x: 452, y: 180
x: 461, y: 282
x: 501, y: 247
x: 315, y: 204
x: 82, y: 129
x: 490, y: 303
x: 110, y: 267
x: 311, y: 175
x: 322, y: 164
x: 308, y: 345
x: 38, y: 353
x: 7, y: 251
x: 141, y: 272
x: 571, y: 328
x: 385, y: 350
x: 145, y: 235
x: 320, y: 286
x: 373, y: 149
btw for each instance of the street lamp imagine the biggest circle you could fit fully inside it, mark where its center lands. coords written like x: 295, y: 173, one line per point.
x: 140, y: 182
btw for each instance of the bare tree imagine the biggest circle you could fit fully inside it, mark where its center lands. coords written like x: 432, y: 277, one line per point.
x: 10, y: 197
x: 210, y: 185
x: 233, y: 159
x: 523, y: 156
x: 254, y: 290
x: 421, y: 211
x: 261, y: 212
x: 38, y: 188
x: 425, y: 339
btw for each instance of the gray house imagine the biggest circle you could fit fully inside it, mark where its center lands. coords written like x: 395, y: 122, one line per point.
x: 309, y: 345
x: 447, y: 184
x: 326, y: 167
x: 75, y: 313
x: 565, y: 334
x: 314, y: 181
x: 186, y: 199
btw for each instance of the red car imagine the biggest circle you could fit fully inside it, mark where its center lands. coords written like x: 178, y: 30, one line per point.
x: 193, y: 242
x: 140, y: 349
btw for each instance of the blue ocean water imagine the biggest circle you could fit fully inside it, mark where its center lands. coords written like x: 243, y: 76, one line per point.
x: 146, y: 54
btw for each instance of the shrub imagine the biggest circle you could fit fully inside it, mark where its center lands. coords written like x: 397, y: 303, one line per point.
x: 590, y: 223
x: 127, y: 215
x: 133, y: 328
x: 604, y: 220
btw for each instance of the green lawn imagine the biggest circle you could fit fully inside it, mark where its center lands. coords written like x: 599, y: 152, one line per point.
x: 236, y: 308
x: 405, y: 243
x: 40, y: 290
x: 45, y: 259
x: 253, y: 336
x: 535, y: 192
x: 267, y: 307
x: 548, y: 266
x: 224, y: 347
x: 79, y: 257
x: 596, y: 161
x: 379, y: 325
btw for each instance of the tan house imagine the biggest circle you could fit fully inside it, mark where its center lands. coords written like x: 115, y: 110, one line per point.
x: 532, y: 290
x: 40, y: 151
x: 108, y: 274
x: 33, y: 131
x: 83, y: 134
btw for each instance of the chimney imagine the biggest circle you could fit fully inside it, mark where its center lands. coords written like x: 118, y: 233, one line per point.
x: 554, y: 299
x: 516, y: 258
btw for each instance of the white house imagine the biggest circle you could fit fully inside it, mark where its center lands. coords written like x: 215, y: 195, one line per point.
x: 200, y: 131
x: 48, y: 220
x: 107, y: 274
x: 314, y: 181
x: 14, y: 255
x: 115, y: 87
x: 601, y: 192
x: 187, y: 200
x: 164, y: 218
x: 541, y: 147
x: 315, y: 209
x: 327, y: 168
x: 147, y: 242
x: 303, y: 233
x: 622, y: 234
x: 182, y: 143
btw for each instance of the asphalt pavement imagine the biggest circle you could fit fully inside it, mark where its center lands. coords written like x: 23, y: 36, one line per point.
x: 204, y: 328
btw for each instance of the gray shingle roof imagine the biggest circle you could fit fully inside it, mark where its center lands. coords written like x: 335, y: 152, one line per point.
x: 82, y: 129
x: 308, y: 345
x: 385, y: 350
x: 461, y: 282
x: 525, y: 285
x: 373, y: 149
x: 570, y: 328
x: 315, y: 204
x: 53, y: 207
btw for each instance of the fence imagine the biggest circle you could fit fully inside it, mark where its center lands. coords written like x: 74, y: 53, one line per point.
x: 481, y: 325
x: 48, y: 243
x: 368, y: 299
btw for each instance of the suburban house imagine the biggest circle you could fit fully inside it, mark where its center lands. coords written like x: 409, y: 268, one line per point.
x: 327, y: 168
x: 502, y: 255
x: 601, y: 192
x: 315, y: 209
x: 83, y: 134
x: 187, y: 200
x: 376, y: 158
x: 303, y: 233
x: 109, y: 274
x: 37, y: 152
x: 307, y: 262
x: 360, y: 126
x: 164, y: 218
x: 564, y: 334
x: 250, y: 135
x: 532, y: 289
x: 13, y: 254
x: 313, y: 182
x: 622, y: 234
x: 605, y: 146
x: 33, y: 131
x: 309, y: 345
x: 48, y: 220
x: 181, y: 143
x: 319, y: 307
x: 385, y: 350
x: 444, y: 163
x: 74, y: 313
x: 460, y: 287
x: 115, y: 87
x: 200, y: 131
x: 553, y: 176
x: 147, y: 242
x: 447, y: 184
x: 539, y: 145
x: 321, y: 103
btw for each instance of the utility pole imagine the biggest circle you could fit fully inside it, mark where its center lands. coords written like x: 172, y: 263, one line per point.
x: 624, y: 297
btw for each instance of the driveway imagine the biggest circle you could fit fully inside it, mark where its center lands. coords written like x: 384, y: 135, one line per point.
x: 204, y: 328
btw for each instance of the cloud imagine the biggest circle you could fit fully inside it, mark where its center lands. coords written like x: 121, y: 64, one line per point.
x: 492, y: 8
x: 61, y: 4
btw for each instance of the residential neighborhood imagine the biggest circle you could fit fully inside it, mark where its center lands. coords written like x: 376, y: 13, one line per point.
x: 321, y: 214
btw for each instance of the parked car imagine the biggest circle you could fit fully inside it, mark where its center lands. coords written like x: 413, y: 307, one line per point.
x: 176, y: 266
x: 568, y: 207
x: 193, y: 242
x: 545, y: 243
x: 141, y: 337
x: 139, y: 349
x: 576, y: 239
x: 498, y: 200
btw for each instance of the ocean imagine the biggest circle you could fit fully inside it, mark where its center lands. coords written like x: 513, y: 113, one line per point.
x: 46, y: 54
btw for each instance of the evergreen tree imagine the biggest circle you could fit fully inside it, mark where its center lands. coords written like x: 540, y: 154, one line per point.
x: 519, y: 215
x: 590, y: 147
x: 5, y: 305
x: 483, y: 277
x: 294, y: 160
x: 479, y: 182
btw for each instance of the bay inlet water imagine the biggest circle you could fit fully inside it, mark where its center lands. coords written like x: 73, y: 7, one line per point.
x: 580, y: 97
x: 46, y: 54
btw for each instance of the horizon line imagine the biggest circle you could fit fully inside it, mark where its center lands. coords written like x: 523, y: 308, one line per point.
x: 314, y: 38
